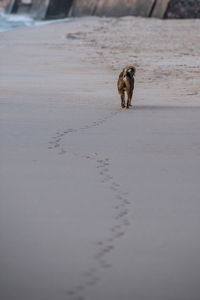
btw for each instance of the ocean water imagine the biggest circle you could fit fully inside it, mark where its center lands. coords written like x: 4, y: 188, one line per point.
x: 9, y: 22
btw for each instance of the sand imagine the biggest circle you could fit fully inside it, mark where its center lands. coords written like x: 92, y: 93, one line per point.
x: 99, y: 202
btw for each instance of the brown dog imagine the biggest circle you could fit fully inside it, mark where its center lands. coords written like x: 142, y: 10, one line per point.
x: 126, y: 84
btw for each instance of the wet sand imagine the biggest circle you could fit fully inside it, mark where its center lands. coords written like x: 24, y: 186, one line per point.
x: 99, y: 202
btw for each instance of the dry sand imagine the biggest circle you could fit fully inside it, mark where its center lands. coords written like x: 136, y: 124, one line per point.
x: 99, y: 202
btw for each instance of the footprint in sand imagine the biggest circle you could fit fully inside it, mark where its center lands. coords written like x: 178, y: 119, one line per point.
x: 62, y: 152
x: 56, y: 145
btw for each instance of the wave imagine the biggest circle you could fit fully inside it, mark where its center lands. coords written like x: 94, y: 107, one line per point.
x: 8, y: 22
x: 12, y: 21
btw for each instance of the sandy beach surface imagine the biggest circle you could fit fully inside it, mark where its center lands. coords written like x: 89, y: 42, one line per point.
x: 99, y: 202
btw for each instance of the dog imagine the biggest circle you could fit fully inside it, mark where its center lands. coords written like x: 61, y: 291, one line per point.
x: 126, y: 84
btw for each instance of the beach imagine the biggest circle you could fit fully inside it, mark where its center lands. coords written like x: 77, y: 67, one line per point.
x: 100, y: 202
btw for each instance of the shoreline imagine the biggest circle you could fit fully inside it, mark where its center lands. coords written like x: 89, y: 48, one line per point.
x: 38, y: 23
x: 26, y: 21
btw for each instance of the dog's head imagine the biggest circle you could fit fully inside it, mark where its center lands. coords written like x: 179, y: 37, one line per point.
x: 129, y: 70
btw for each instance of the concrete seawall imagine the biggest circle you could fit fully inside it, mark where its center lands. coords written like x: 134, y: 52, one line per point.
x: 112, y: 8
x: 83, y: 8
x: 47, y: 9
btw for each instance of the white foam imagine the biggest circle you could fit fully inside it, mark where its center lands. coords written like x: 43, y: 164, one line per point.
x: 13, y: 21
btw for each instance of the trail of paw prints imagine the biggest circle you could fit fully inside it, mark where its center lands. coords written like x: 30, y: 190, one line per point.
x: 120, y: 210
x: 120, y: 222
x: 56, y: 142
x: 121, y: 207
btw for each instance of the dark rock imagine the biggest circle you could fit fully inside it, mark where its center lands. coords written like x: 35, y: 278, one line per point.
x: 183, y: 9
